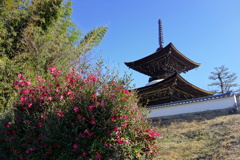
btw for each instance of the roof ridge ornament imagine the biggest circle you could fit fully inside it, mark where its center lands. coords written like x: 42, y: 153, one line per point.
x: 160, y: 32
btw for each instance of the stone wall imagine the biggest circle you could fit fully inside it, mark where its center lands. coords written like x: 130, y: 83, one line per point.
x: 211, y: 103
x: 188, y: 117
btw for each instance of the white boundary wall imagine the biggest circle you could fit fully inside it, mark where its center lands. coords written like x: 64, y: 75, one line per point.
x: 214, y: 104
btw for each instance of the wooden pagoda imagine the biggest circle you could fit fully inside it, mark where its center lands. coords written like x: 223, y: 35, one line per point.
x: 164, y: 68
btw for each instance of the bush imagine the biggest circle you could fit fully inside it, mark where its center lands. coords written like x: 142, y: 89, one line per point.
x: 80, y: 116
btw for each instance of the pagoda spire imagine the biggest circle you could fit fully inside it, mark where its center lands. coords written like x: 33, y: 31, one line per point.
x: 161, y: 45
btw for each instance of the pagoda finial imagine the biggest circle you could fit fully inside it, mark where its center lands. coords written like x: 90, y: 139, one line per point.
x: 160, y: 34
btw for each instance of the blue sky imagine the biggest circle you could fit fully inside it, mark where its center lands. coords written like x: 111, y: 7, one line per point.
x: 206, y: 31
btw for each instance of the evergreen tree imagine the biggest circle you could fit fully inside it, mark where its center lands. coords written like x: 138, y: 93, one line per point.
x: 35, y: 35
x: 224, y: 80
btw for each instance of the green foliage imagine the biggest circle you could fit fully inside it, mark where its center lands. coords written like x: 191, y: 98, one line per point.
x: 13, y: 20
x: 35, y: 35
x: 91, y: 39
x: 80, y: 116
x: 7, y: 70
x: 224, y: 80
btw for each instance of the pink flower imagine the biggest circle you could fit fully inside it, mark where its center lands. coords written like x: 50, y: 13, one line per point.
x: 16, y: 84
x: 124, y: 99
x: 58, y: 89
x: 26, y: 91
x: 101, y: 104
x: 30, y: 150
x: 78, y: 116
x: 52, y: 70
x: 69, y: 92
x: 23, y: 77
x: 60, y: 113
x: 152, y: 134
x: 91, y: 77
x: 86, y: 133
x: 41, y: 98
x: 59, y: 71
x: 126, y: 91
x: 125, y: 124
x: 20, y: 82
x: 98, y: 156
x: 93, y: 122
x: 112, y: 119
x: 84, y: 154
x: 23, y: 99
x: 39, y: 78
x: 19, y: 75
x: 75, y: 109
x: 7, y: 125
x: 90, y: 134
x: 118, y: 87
x: 154, y: 146
x: 29, y: 105
x: 75, y: 146
x: 94, y: 95
x: 119, y: 140
x: 55, y: 75
x: 90, y: 108
x: 125, y: 116
x: 43, y: 117
x: 116, y: 128
x: 40, y: 124
x: 50, y: 98
x: 28, y: 82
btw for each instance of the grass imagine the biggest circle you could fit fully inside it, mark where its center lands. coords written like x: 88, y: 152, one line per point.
x: 212, y: 138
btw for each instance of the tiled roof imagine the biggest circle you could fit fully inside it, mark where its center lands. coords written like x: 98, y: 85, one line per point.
x: 167, y: 58
x: 194, y: 100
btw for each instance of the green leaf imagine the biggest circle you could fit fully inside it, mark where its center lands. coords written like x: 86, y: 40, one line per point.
x: 138, y: 150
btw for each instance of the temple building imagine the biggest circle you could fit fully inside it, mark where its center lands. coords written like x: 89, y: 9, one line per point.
x: 164, y: 68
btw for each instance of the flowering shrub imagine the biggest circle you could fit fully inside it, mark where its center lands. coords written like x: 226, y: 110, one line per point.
x: 80, y: 116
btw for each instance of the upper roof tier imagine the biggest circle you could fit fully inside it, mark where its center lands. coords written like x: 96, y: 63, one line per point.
x: 164, y: 60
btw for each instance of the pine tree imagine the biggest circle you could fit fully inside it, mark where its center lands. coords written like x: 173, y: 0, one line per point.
x: 224, y: 80
x: 36, y: 35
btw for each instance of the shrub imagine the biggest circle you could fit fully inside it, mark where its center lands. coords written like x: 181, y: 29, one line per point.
x: 80, y: 116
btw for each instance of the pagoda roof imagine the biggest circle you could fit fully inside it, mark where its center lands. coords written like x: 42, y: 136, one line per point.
x: 164, y: 59
x: 174, y: 88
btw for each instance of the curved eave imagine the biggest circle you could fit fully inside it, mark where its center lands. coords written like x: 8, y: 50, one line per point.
x: 158, y: 55
x: 193, y: 86
x: 186, y: 58
x: 171, y: 79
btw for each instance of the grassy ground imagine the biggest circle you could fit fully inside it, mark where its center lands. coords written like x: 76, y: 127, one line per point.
x: 212, y: 138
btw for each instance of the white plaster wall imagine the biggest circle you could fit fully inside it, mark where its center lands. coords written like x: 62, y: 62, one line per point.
x: 215, y: 104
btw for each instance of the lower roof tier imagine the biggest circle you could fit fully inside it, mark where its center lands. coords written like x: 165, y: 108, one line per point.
x: 174, y: 88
